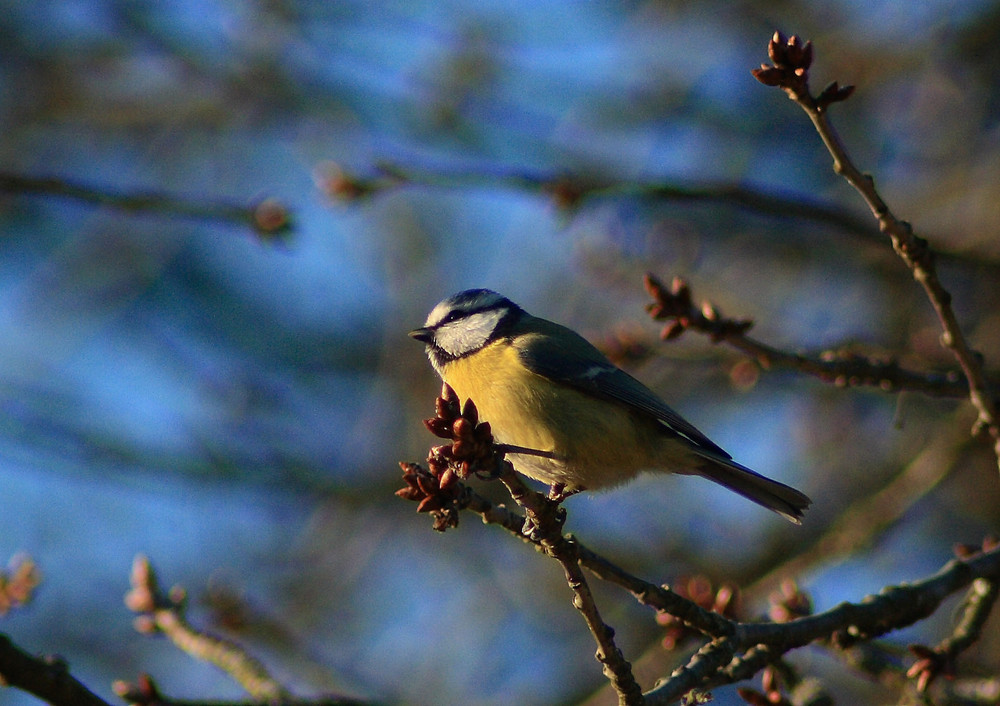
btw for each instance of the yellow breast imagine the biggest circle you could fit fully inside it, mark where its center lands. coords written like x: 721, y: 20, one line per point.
x: 596, y: 443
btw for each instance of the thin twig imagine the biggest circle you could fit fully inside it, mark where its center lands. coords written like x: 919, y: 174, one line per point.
x: 161, y: 613
x: 895, y: 607
x: 790, y: 71
x: 973, y: 613
x: 267, y: 217
x: 545, y: 519
x: 870, y: 516
x: 145, y: 692
x: 675, y: 305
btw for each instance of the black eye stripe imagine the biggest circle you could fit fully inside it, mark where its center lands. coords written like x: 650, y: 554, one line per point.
x: 456, y: 314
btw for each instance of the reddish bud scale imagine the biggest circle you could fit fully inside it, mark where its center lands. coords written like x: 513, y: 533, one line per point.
x: 448, y: 479
x: 430, y: 503
x: 470, y: 412
x: 439, y: 427
x: 462, y: 428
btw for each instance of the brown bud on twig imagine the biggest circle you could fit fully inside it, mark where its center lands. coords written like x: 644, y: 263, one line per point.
x: 271, y: 220
x: 769, y: 75
x: 143, y: 692
x: 930, y: 664
x: 833, y: 93
x: 332, y: 180
x: 967, y: 551
x: 437, y: 489
x: 791, y: 58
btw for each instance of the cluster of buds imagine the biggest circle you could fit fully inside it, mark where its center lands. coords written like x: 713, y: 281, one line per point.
x: 791, y: 58
x: 931, y: 663
x: 789, y: 602
x: 471, y: 448
x: 698, y: 589
x: 675, y: 306
x: 18, y: 582
x: 145, y: 597
x: 967, y: 551
x: 143, y: 692
x: 437, y: 489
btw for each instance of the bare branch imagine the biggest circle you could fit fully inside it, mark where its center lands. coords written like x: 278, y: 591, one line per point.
x: 145, y: 692
x: 48, y: 677
x: 163, y: 613
x: 737, y: 650
x: 268, y: 218
x: 790, y: 72
x: 973, y: 613
x: 473, y: 451
x: 676, y: 306
x: 758, y: 644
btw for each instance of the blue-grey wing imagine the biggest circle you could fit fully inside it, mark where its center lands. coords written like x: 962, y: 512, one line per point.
x: 568, y: 358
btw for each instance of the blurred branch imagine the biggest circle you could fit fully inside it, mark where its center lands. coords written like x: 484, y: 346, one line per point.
x: 268, y: 218
x: 159, y: 612
x: 47, y: 677
x: 737, y: 650
x: 791, y: 59
x: 844, y: 369
x: 876, y: 511
x: 145, y: 692
x: 570, y: 192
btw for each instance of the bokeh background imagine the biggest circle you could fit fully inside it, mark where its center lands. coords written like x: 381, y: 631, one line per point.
x: 235, y: 408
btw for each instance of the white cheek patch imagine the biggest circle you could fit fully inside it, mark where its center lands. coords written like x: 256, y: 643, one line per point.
x: 469, y: 334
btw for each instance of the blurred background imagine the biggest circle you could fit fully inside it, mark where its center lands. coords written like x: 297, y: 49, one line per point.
x: 235, y: 407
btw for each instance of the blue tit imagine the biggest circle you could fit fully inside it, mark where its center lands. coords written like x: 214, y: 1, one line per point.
x: 568, y: 416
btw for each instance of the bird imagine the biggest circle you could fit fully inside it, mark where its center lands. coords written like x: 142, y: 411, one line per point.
x: 566, y: 415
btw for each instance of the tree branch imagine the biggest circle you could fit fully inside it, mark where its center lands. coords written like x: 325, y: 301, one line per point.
x: 790, y: 71
x: 48, y: 678
x: 737, y: 650
x: 269, y: 218
x: 163, y: 613
x: 676, y: 306
x: 473, y: 451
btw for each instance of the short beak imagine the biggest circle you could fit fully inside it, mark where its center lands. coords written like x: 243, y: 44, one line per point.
x: 422, y: 334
